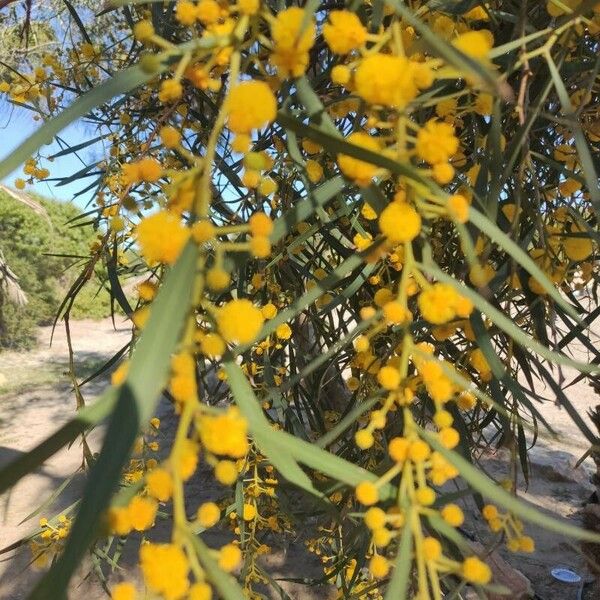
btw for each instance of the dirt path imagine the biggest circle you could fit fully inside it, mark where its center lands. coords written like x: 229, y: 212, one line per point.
x: 36, y: 398
x: 33, y: 405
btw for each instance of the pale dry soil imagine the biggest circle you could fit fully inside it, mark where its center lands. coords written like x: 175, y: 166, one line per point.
x: 36, y: 398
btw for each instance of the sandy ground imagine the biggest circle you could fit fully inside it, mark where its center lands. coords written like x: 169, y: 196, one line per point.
x: 34, y: 405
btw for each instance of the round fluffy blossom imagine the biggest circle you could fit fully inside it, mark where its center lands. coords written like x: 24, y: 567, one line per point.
x: 379, y: 566
x: 360, y: 171
x: 208, y: 514
x: 292, y: 39
x: 251, y: 105
x: 436, y: 142
x: 230, y: 556
x: 123, y: 591
x: 390, y: 80
x: 161, y: 237
x: 344, y: 32
x: 165, y: 569
x: 224, y: 433
x: 476, y: 571
x: 475, y: 44
x: 239, y: 321
x: 399, y: 222
x: 160, y: 484
x: 437, y: 303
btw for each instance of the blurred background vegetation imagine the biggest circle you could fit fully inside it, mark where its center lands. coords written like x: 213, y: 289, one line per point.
x: 44, y: 252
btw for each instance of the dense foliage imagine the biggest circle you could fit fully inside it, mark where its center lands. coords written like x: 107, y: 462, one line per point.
x: 44, y: 250
x: 364, y: 232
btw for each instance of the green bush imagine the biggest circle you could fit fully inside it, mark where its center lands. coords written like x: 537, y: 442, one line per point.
x: 46, y: 255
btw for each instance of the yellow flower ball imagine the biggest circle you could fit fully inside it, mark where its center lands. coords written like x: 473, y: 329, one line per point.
x: 230, y: 557
x: 250, y: 105
x: 123, y: 591
x: 476, y: 571
x: 398, y: 449
x: 283, y: 331
x: 432, y: 549
x: 200, y: 591
x: 458, y: 208
x: 399, y: 222
x: 217, y: 279
x: 436, y: 142
x: 389, y: 378
x: 367, y: 493
x: 212, y: 345
x: 159, y: 484
x: 364, y: 439
x: 374, y: 518
x: 453, y: 515
x: 170, y: 90
x: 239, y: 321
x: 170, y: 137
x: 344, y: 32
x: 161, y: 237
x: 226, y: 472
x: 419, y: 451
x: 359, y: 171
x: 269, y: 311
x: 379, y: 566
x: 208, y: 514
x: 449, y: 437
x: 249, y: 512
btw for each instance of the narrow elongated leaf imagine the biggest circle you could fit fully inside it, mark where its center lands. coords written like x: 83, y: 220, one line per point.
x: 136, y: 400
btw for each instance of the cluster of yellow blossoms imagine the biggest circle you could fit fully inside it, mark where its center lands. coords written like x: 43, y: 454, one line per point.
x: 343, y: 137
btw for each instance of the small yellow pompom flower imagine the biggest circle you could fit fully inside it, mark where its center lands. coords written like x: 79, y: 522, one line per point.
x: 476, y: 571
x: 170, y: 90
x: 436, y: 142
x: 399, y: 222
x: 142, y: 512
x: 123, y: 591
x: 208, y: 11
x: 389, y: 378
x: 387, y: 80
x: 203, y: 231
x: 224, y: 434
x: 226, y: 472
x: 200, y: 591
x: 453, y: 515
x: 341, y: 74
x: 249, y: 512
x: 449, y: 437
x: 437, y: 303
x: 367, y: 493
x: 170, y: 137
x: 359, y: 171
x: 161, y: 237
x: 375, y: 518
x: 208, y: 514
x: 260, y: 224
x: 475, y: 44
x: 143, y: 30
x: 458, y: 208
x: 239, y: 321
x: 344, y: 32
x: 251, y: 105
x: 230, y: 556
x: 185, y: 12
x: 212, y: 345
x: 432, y: 549
x: 159, y: 484
x: 283, y: 331
x: 248, y: 7
x: 269, y: 311
x: 398, y: 449
x: 364, y: 439
x: 379, y: 566
x: 217, y: 279
x: 165, y: 569
x: 419, y: 451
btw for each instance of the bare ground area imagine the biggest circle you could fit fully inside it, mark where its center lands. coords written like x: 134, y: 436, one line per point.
x: 36, y: 397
